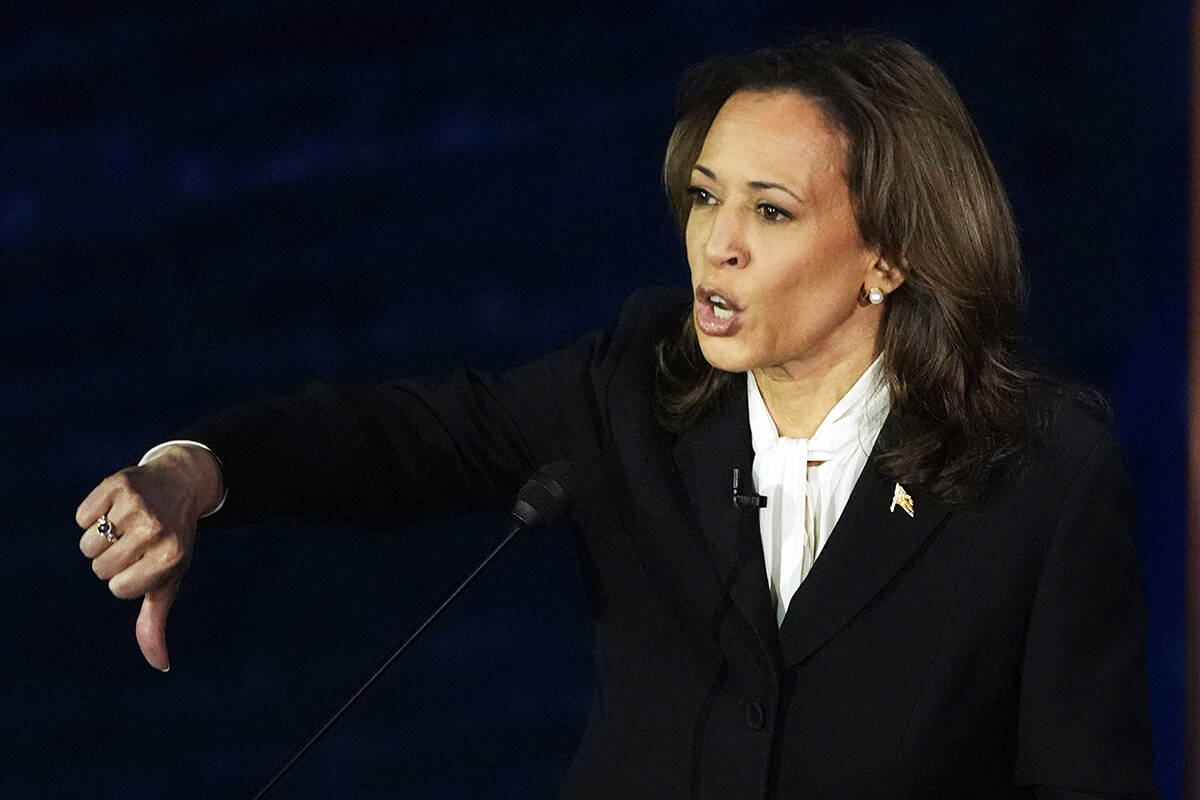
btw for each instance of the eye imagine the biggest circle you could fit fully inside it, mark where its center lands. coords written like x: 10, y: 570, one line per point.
x: 701, y: 197
x: 772, y: 213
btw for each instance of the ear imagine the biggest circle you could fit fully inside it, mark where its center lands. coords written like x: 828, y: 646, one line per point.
x: 883, y: 276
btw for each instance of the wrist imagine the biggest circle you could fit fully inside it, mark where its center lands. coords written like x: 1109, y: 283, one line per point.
x: 200, y: 469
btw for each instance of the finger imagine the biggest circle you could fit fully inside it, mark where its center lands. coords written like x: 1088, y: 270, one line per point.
x: 92, y: 543
x: 109, y: 558
x: 98, y: 501
x: 164, y: 562
x: 130, y: 547
x: 151, y: 629
x: 118, y: 558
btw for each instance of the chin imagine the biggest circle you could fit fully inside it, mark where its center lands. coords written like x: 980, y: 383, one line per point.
x: 725, y: 353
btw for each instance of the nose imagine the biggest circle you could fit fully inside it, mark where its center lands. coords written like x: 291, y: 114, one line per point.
x: 726, y: 242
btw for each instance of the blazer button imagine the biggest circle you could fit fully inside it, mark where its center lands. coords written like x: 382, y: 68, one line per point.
x: 754, y: 716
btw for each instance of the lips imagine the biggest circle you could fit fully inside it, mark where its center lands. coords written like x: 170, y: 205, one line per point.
x: 717, y: 313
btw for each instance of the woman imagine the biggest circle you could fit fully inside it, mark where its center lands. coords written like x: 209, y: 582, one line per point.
x: 924, y: 584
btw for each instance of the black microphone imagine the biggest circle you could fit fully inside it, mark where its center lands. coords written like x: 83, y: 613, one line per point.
x: 544, y: 496
x: 744, y: 496
x: 539, y: 502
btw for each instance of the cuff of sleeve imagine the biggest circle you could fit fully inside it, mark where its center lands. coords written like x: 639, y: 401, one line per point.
x: 159, y: 449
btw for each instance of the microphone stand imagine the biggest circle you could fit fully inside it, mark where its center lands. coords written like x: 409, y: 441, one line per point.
x: 540, y: 500
x: 387, y: 662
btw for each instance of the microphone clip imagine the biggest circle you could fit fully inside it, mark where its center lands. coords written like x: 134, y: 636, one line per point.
x: 744, y: 496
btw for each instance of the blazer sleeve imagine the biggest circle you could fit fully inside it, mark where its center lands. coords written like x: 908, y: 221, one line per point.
x: 1083, y: 721
x: 385, y: 453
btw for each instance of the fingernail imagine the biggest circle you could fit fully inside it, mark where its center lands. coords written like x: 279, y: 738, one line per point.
x: 166, y: 669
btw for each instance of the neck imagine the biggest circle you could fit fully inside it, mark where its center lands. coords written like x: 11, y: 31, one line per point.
x: 799, y: 397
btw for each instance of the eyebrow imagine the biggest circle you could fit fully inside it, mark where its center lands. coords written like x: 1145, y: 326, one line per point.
x: 752, y: 184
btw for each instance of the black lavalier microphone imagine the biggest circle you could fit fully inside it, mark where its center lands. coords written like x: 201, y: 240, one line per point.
x: 539, y: 502
x: 744, y: 496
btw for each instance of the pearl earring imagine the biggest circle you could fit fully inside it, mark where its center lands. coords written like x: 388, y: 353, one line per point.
x: 875, y: 296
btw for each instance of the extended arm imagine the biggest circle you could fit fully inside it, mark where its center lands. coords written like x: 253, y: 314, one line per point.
x: 379, y: 454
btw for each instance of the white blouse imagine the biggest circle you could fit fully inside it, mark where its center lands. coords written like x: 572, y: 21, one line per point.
x: 803, y: 502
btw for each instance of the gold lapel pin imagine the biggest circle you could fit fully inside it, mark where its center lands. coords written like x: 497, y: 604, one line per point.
x: 903, y: 499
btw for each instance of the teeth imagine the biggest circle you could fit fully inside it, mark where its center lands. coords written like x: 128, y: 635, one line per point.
x: 717, y: 300
x: 723, y: 313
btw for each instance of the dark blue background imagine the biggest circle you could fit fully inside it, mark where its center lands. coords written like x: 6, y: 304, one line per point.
x: 204, y: 206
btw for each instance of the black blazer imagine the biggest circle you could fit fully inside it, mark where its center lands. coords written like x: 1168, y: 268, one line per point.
x: 990, y: 651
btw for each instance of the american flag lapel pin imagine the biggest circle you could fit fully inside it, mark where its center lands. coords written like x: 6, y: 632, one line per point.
x: 903, y: 499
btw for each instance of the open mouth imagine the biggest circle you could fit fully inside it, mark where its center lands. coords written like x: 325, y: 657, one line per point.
x: 717, y: 314
x: 721, y: 307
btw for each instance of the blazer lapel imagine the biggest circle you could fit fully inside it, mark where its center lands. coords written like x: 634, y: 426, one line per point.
x: 868, y: 545
x: 706, y: 455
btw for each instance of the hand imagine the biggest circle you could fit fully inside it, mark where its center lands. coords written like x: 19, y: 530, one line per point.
x: 153, y: 509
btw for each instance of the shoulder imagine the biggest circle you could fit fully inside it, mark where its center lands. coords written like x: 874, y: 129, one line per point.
x: 650, y: 314
x: 617, y: 358
x: 644, y: 319
x: 1076, y: 459
x: 1076, y: 431
x: 647, y: 318
x: 1092, y: 457
x: 1062, y: 440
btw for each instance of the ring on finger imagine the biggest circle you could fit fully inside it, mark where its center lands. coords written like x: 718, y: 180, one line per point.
x: 106, y: 529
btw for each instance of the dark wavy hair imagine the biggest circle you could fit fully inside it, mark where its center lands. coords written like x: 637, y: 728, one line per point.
x: 926, y: 194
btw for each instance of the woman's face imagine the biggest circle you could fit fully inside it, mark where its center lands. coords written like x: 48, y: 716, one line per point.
x: 776, y: 258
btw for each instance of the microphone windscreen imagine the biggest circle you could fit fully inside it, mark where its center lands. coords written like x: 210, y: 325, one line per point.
x: 544, y: 496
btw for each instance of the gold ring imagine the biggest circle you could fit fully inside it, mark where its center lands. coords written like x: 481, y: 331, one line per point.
x: 105, y: 529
